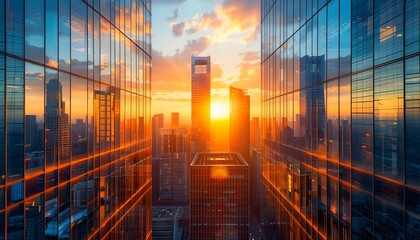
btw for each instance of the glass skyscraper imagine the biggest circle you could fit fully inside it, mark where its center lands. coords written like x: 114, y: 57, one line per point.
x: 75, y: 130
x: 340, y: 119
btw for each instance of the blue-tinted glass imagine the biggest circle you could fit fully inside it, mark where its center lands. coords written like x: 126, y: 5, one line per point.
x: 64, y: 34
x: 15, y: 27
x: 2, y: 115
x: 333, y: 32
x: 15, y: 118
x: 362, y: 34
x: 362, y: 120
x: 412, y: 26
x: 34, y: 186
x: 322, y: 44
x: 51, y: 33
x: 412, y: 120
x: 390, y: 191
x: 15, y: 222
x: 34, y: 218
x: 412, y: 226
x: 389, y: 121
x: 34, y: 117
x: 53, y: 96
x: 15, y: 193
x: 80, y: 190
x: 389, y: 30
x: 78, y: 37
x: 78, y: 117
x: 361, y: 215
x: 51, y: 214
x: 34, y: 30
x: 2, y: 199
x: 2, y: 34
x: 345, y: 36
x: 389, y: 221
x: 64, y: 211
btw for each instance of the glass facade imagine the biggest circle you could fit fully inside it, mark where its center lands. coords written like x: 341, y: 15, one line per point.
x: 340, y: 119
x: 75, y: 129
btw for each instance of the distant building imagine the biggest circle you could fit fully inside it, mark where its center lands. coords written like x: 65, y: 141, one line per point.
x: 157, y: 124
x: 200, y: 104
x: 165, y: 223
x: 174, y: 119
x: 219, y: 196
x: 173, y: 165
x: 239, y: 122
x: 255, y: 134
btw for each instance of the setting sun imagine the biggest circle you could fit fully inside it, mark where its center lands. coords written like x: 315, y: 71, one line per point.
x: 219, y: 110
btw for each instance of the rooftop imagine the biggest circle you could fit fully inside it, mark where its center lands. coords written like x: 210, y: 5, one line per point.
x: 218, y: 158
x: 167, y: 213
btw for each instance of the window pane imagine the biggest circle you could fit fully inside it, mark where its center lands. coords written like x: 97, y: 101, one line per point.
x: 15, y: 118
x: 64, y: 34
x: 53, y: 96
x: 51, y: 33
x: 34, y: 117
x: 34, y: 30
x: 362, y: 34
x: 78, y: 117
x: 78, y: 37
x: 389, y: 121
x: 15, y: 27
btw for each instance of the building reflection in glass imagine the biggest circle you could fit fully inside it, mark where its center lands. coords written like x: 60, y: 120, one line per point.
x: 75, y: 129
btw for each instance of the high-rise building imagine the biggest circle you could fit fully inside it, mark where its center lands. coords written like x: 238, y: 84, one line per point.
x: 74, y: 79
x: 173, y: 165
x: 219, y: 196
x: 200, y: 104
x: 239, y: 122
x: 165, y: 222
x: 255, y: 133
x: 157, y: 124
x: 340, y: 119
x: 174, y: 120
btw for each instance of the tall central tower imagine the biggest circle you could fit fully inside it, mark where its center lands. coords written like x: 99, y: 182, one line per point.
x: 200, y: 104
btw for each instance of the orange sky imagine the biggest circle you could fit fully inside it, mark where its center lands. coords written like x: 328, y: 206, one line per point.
x: 226, y: 30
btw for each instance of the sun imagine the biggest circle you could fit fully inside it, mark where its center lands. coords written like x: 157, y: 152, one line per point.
x: 219, y: 110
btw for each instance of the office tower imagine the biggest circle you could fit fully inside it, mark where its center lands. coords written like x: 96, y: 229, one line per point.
x: 165, y: 222
x: 157, y: 124
x: 340, y: 119
x: 239, y: 122
x: 255, y: 135
x: 219, y: 196
x: 73, y: 76
x: 173, y: 165
x: 200, y: 104
x: 174, y: 120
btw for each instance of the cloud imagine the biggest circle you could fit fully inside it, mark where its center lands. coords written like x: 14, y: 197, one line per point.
x: 177, y: 28
x: 231, y: 17
x: 175, y: 14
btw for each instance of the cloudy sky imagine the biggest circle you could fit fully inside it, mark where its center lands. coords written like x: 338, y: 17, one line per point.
x: 227, y: 30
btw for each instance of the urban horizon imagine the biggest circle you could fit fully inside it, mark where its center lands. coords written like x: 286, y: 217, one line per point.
x: 209, y: 119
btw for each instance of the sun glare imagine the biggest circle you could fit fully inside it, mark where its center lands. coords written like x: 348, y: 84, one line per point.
x: 219, y: 110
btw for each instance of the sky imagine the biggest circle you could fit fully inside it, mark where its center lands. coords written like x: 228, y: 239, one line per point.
x: 226, y: 30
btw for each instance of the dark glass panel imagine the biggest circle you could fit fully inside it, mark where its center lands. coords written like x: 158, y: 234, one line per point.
x: 345, y: 36
x: 412, y: 26
x: 2, y: 117
x: 34, y: 218
x: 333, y: 32
x: 15, y: 27
x: 15, y: 118
x: 389, y: 30
x: 51, y: 214
x: 34, y: 117
x: 412, y: 120
x: 15, y: 193
x: 389, y: 221
x: 34, y: 30
x: 15, y: 222
x: 362, y: 34
x: 34, y: 185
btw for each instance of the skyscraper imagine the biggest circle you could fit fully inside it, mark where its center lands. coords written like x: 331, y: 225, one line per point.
x: 239, y: 122
x: 74, y: 74
x: 340, y: 119
x: 174, y: 120
x: 255, y: 133
x: 200, y: 104
x: 157, y: 124
x: 219, y: 196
